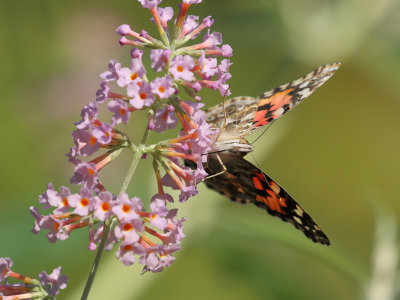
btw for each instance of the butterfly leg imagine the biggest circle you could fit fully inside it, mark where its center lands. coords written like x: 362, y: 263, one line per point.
x: 219, y: 173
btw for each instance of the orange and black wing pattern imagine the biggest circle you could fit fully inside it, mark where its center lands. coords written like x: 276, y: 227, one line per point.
x: 245, y: 183
x: 273, y: 104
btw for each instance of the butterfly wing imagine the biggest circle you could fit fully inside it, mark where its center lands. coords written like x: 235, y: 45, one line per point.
x: 247, y: 114
x: 245, y: 183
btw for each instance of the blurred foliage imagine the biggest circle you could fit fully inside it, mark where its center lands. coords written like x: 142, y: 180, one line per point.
x: 329, y: 153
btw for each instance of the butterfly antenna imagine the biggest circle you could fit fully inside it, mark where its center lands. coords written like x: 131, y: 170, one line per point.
x: 262, y: 133
x: 223, y: 107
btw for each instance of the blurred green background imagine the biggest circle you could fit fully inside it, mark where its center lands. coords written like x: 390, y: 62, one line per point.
x: 333, y: 153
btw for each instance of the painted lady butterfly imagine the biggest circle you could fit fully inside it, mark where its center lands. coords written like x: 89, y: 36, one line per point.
x: 238, y: 179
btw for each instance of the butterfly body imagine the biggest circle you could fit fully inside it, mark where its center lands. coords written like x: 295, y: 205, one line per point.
x: 240, y: 180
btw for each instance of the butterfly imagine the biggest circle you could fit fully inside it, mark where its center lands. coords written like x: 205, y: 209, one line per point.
x: 237, y: 178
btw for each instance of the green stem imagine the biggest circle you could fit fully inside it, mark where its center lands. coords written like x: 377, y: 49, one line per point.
x: 136, y: 158
x: 96, y: 263
x: 108, y: 224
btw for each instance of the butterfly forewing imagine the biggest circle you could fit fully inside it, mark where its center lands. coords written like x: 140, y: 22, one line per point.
x: 247, y: 114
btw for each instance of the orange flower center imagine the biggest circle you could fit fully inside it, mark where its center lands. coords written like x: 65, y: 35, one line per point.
x: 134, y: 76
x: 122, y: 112
x: 85, y: 202
x: 128, y: 248
x: 105, y: 206
x: 65, y: 202
x: 143, y: 95
x: 179, y: 68
x: 92, y: 140
x: 161, y: 89
x: 128, y: 227
x: 126, y: 208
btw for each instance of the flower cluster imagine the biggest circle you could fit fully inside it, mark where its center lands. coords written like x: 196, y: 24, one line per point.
x: 47, y: 285
x: 147, y: 237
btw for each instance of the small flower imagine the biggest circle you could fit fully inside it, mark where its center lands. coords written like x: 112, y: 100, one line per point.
x: 162, y: 86
x: 102, y: 93
x: 159, y: 211
x: 88, y: 114
x: 5, y: 266
x: 103, y: 205
x: 85, y: 143
x: 82, y: 203
x: 102, y: 132
x: 53, y: 282
x: 149, y: 3
x: 165, y: 118
x: 181, y: 67
x: 190, y: 24
x: 126, y: 208
x: 85, y: 174
x: 127, y: 251
x: 133, y: 74
x: 165, y: 15
x: 143, y: 97
x: 113, y: 68
x: 159, y: 58
x: 120, y: 110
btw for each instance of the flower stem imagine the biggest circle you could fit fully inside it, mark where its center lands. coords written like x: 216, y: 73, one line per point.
x: 108, y: 224
x: 100, y: 250
x: 135, y: 161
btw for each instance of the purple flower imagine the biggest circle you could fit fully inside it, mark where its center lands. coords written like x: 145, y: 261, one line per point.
x: 190, y: 24
x: 113, y: 68
x: 165, y: 15
x: 144, y: 97
x: 181, y: 67
x: 35, y: 213
x: 159, y: 211
x: 192, y: 1
x: 102, y: 132
x: 85, y: 174
x: 54, y: 225
x: 5, y: 266
x: 213, y: 39
x: 53, y: 282
x: 103, y: 92
x: 226, y: 50
x: 82, y: 203
x: 88, y: 114
x: 127, y: 230
x: 162, y: 86
x: 85, y: 143
x: 120, y: 112
x: 133, y: 74
x: 159, y: 58
x: 126, y: 208
x: 49, y: 193
x: 136, y: 53
x: 126, y: 252
x: 103, y: 205
x: 208, y: 66
x: 159, y: 257
x: 149, y: 3
x: 165, y: 118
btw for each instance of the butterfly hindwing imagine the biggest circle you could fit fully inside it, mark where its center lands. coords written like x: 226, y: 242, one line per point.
x: 245, y: 183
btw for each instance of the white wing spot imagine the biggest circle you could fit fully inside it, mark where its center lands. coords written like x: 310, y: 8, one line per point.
x: 297, y: 219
